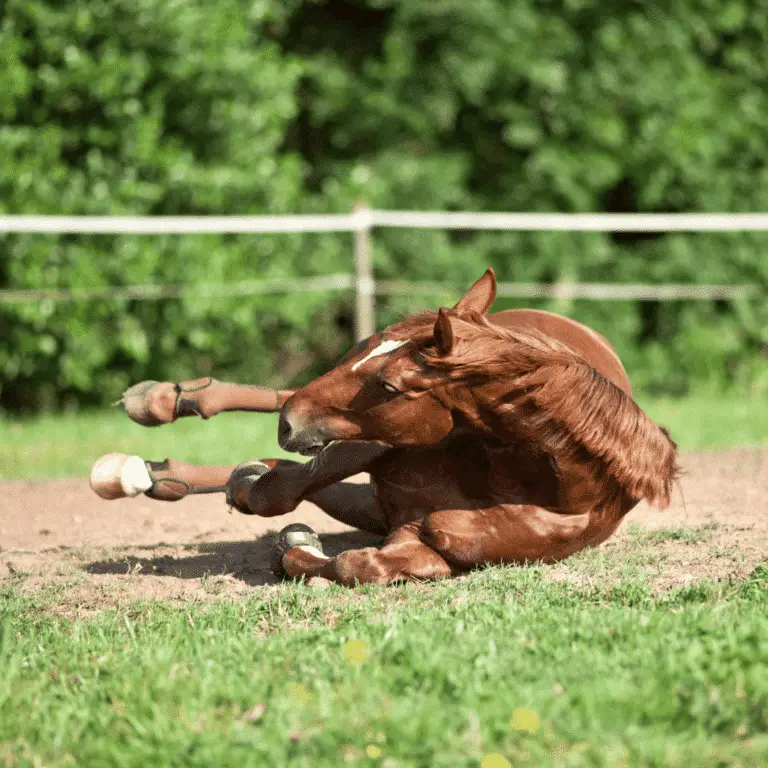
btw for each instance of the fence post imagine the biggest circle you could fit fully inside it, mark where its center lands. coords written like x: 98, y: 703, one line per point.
x: 364, y: 286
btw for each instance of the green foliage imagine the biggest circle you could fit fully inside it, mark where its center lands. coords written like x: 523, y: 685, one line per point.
x: 150, y: 108
x: 161, y: 108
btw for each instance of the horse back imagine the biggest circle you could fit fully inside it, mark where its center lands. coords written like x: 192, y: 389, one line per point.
x: 589, y: 344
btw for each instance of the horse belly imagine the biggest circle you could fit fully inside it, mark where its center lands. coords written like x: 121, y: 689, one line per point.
x: 461, y: 473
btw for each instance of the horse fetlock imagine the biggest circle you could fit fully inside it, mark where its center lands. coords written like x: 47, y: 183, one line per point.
x: 192, y: 398
x: 117, y: 475
x: 365, y: 566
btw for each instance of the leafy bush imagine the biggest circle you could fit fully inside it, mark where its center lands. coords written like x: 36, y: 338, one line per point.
x: 151, y: 107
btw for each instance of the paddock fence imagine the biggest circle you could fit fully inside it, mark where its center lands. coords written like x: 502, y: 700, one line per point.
x: 361, y: 223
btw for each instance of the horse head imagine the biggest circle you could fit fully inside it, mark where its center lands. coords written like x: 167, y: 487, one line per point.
x: 387, y: 387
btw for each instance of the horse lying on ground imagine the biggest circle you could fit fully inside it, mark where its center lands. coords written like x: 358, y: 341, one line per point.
x: 500, y: 438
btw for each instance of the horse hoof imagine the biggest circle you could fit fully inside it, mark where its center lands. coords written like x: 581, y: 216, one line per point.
x: 117, y: 475
x: 295, y: 535
x: 248, y: 472
x: 150, y: 403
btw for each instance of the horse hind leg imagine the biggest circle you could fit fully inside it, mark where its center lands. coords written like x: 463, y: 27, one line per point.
x: 442, y: 544
x: 117, y: 475
x: 511, y: 533
x: 152, y: 403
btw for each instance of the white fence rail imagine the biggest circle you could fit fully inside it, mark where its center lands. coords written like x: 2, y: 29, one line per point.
x: 361, y: 221
x: 343, y: 282
x: 366, y: 218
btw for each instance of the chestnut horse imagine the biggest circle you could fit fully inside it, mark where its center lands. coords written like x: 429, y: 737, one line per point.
x: 501, y: 438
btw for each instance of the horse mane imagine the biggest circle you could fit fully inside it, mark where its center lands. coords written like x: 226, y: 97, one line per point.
x: 558, y: 400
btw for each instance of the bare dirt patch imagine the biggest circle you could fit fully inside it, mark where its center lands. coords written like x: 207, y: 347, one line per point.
x: 59, y: 538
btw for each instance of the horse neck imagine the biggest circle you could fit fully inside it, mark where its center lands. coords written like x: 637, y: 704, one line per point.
x: 605, y: 449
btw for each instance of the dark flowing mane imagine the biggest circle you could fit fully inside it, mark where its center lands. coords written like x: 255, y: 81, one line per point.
x: 559, y: 400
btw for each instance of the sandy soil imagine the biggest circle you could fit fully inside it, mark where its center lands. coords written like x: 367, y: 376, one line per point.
x: 98, y: 554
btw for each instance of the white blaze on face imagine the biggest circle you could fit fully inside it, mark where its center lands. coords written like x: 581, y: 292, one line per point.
x: 383, y: 349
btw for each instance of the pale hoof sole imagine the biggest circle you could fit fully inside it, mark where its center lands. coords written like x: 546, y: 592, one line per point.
x: 117, y: 475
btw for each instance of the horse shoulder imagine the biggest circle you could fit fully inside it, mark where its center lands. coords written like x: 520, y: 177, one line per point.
x: 590, y: 344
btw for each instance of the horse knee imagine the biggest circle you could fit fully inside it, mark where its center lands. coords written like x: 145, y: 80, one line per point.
x: 434, y: 536
x: 458, y: 547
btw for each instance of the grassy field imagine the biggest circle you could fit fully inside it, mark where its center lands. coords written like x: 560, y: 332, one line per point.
x: 67, y: 445
x: 497, y: 669
x: 505, y: 667
x: 63, y: 446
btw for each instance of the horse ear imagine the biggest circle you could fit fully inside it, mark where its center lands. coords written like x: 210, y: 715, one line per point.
x: 480, y: 296
x: 444, y: 332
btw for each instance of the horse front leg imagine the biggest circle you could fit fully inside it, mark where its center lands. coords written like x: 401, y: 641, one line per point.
x: 280, y: 490
x: 117, y: 475
x: 404, y: 557
x: 152, y: 403
x: 267, y: 487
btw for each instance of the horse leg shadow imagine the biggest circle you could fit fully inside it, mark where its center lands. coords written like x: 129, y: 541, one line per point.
x: 247, y: 560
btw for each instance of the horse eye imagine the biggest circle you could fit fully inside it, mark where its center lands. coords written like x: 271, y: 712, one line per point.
x: 391, y: 388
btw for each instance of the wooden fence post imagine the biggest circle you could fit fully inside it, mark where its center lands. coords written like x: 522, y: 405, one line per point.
x: 364, y: 285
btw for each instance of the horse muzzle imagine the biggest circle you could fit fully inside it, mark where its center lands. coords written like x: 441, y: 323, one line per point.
x: 306, y: 440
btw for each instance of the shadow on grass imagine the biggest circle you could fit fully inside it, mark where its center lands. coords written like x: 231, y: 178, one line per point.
x: 248, y: 561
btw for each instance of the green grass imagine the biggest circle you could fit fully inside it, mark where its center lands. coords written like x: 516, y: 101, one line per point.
x: 708, y: 420
x: 642, y: 536
x: 63, y: 446
x: 67, y: 445
x: 607, y: 677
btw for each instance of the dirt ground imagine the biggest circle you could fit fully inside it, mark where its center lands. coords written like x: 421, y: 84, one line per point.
x: 59, y: 536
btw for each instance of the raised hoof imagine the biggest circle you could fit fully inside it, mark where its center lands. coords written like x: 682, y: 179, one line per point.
x: 117, y: 475
x: 242, y: 475
x: 150, y: 403
x: 295, y: 535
